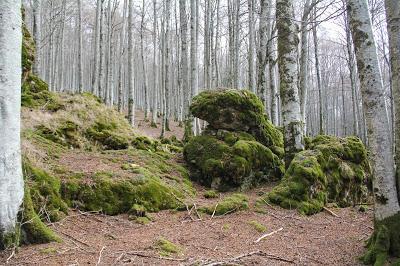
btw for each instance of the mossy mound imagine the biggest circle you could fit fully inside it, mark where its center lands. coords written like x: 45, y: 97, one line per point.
x: 237, y: 110
x: 231, y: 160
x: 44, y: 192
x: 333, y: 170
x: 229, y: 204
x: 153, y: 186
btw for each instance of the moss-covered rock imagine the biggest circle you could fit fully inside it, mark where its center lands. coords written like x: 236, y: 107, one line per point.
x: 333, y: 170
x: 237, y: 110
x: 231, y: 160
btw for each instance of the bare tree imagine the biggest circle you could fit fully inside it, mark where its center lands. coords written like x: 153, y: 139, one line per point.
x: 131, y: 83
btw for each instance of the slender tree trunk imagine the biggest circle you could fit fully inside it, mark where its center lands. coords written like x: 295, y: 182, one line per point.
x: 262, y: 50
x: 11, y: 180
x: 96, y: 62
x: 193, y: 55
x: 252, y: 67
x: 146, y: 93
x: 303, y: 75
x: 121, y: 54
x: 393, y: 27
x: 131, y: 83
x: 80, y: 59
x: 287, y: 57
x: 155, y: 72
x: 184, y: 54
x: 102, y: 49
x: 317, y: 70
x: 387, y: 217
x: 37, y: 36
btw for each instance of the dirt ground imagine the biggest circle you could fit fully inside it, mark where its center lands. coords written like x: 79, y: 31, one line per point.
x: 97, y: 239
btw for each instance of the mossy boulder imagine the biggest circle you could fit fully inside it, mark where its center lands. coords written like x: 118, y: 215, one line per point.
x: 332, y: 170
x: 230, y: 160
x: 237, y: 110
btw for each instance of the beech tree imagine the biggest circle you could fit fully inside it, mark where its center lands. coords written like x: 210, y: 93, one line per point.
x: 386, y: 236
x: 11, y: 181
x: 287, y: 60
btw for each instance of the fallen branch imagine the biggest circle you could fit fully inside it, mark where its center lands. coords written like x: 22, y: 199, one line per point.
x: 257, y: 252
x: 140, y: 254
x: 330, y: 212
x: 100, y: 254
x: 215, y: 209
x: 269, y: 234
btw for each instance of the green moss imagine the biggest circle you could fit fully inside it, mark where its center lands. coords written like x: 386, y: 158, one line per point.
x: 142, y: 220
x: 33, y: 229
x: 10, y: 240
x: 230, y: 204
x: 258, y: 226
x: 333, y: 170
x: 166, y: 247
x: 105, y: 133
x: 210, y: 194
x: 48, y: 251
x: 236, y: 110
x: 384, y: 242
x: 45, y: 192
x: 239, y: 162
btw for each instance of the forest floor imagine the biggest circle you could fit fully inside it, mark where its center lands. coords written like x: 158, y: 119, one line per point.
x: 91, y: 238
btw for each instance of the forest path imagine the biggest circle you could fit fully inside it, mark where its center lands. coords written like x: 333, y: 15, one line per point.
x: 96, y: 239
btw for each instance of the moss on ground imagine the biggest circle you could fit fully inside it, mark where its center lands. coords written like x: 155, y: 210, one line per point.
x: 210, y: 194
x: 233, y: 203
x: 333, y: 170
x: 167, y: 248
x: 45, y: 192
x: 384, y: 242
x: 258, y: 226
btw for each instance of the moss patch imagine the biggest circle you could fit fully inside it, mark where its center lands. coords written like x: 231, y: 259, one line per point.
x: 167, y: 248
x: 230, y: 204
x: 210, y: 194
x: 333, y: 170
x: 258, y: 226
x: 384, y: 242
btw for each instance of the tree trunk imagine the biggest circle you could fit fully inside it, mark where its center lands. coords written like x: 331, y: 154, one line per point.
x: 387, y: 218
x: 262, y: 50
x: 80, y: 60
x: 11, y: 180
x: 194, y: 79
x: 121, y: 54
x: 146, y: 93
x: 131, y: 83
x: 184, y: 54
x: 155, y: 71
x: 287, y: 60
x: 96, y: 62
x: 252, y: 67
x: 37, y: 35
x: 393, y: 27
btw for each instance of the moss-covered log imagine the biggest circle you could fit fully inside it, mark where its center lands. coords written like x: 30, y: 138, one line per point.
x: 333, y: 170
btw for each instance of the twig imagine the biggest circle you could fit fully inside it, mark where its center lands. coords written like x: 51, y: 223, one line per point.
x: 269, y: 234
x: 197, y: 213
x: 330, y: 212
x: 258, y: 252
x: 215, y: 209
x: 139, y: 254
x: 74, y: 238
x: 100, y: 254
x: 11, y: 256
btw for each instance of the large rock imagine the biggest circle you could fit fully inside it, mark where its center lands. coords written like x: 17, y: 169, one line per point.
x: 240, y: 147
x: 332, y: 170
x: 237, y: 110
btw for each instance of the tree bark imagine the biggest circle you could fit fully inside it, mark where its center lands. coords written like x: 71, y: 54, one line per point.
x: 287, y: 60
x: 37, y: 36
x: 80, y: 60
x: 131, y: 83
x: 11, y: 180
